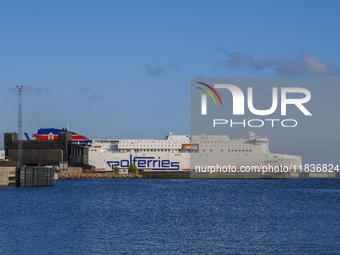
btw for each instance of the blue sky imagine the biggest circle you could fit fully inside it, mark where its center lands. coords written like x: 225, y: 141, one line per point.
x: 122, y: 69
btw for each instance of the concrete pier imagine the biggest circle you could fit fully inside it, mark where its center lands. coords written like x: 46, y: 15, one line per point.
x: 26, y: 176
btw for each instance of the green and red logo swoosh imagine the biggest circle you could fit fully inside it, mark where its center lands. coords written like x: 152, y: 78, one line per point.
x: 209, y: 93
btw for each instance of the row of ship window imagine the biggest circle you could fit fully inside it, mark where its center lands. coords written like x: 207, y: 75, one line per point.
x: 178, y: 145
x: 188, y: 151
x: 177, y: 142
x: 154, y: 145
x: 134, y: 142
x: 203, y: 141
x: 151, y: 150
x: 214, y: 145
x: 236, y: 150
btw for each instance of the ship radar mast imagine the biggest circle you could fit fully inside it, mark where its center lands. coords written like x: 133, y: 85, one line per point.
x: 252, y: 135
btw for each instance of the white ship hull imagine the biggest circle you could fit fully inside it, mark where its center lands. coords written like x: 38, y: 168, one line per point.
x: 182, y: 153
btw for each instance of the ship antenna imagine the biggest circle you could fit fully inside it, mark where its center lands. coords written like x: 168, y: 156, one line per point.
x: 248, y: 125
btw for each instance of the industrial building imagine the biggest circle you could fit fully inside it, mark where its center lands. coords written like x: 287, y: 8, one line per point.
x: 46, y: 152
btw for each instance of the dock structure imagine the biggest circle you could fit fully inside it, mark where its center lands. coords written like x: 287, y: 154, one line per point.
x: 36, y: 176
x: 8, y: 176
x: 8, y: 173
x: 25, y: 176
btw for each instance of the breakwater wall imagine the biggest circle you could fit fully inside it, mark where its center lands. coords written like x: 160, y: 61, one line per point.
x: 166, y: 175
x: 194, y: 175
x: 64, y: 176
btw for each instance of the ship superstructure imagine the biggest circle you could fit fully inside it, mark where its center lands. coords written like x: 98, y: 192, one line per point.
x: 53, y: 134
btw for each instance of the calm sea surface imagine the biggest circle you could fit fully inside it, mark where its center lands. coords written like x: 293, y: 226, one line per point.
x: 172, y: 216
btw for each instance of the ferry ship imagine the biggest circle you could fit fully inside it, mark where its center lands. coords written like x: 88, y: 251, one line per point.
x: 178, y: 152
x: 53, y: 134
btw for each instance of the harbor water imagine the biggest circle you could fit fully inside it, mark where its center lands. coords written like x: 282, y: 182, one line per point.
x: 172, y: 216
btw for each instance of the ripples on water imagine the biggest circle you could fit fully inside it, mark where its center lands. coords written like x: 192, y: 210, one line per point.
x: 172, y: 216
